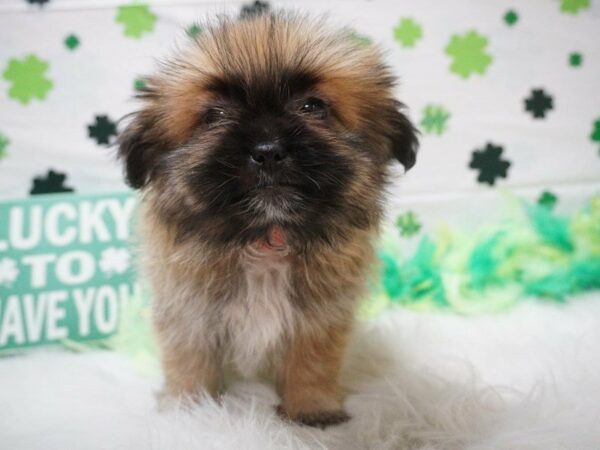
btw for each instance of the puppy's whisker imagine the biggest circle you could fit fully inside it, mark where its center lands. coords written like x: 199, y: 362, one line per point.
x: 220, y: 192
x: 335, y: 180
x: 228, y: 180
x: 313, y: 180
x: 225, y: 163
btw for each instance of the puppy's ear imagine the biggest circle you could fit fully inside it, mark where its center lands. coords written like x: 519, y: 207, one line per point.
x: 403, y: 136
x: 139, y: 147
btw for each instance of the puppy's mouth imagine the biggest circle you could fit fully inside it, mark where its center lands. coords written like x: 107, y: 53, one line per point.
x: 274, y: 241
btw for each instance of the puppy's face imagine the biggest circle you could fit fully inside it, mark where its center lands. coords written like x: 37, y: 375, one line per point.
x: 268, y: 121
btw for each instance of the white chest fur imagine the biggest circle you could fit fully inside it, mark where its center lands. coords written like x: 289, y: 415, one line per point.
x: 259, y: 316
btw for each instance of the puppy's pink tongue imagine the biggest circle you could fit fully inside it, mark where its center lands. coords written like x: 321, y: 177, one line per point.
x: 275, y: 237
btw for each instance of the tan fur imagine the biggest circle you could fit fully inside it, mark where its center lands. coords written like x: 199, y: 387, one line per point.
x: 247, y: 310
x: 250, y: 308
x: 351, y: 75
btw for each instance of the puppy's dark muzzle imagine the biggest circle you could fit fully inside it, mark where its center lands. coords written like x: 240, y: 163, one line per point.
x: 268, y: 156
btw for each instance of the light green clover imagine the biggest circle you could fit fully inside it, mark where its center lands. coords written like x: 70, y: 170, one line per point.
x: 407, y: 32
x: 27, y: 77
x: 573, y: 6
x: 407, y: 224
x: 435, y: 119
x: 137, y: 19
x: 3, y: 145
x: 468, y: 54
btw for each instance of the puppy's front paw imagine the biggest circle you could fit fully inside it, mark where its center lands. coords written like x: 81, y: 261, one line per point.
x: 319, y: 419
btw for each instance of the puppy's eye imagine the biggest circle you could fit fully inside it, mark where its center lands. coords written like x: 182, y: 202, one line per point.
x: 315, y: 107
x: 214, y: 115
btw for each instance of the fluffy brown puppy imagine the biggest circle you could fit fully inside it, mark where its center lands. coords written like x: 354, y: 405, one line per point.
x: 262, y: 152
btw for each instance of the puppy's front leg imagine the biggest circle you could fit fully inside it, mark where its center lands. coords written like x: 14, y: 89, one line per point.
x: 308, y: 380
x: 189, y: 372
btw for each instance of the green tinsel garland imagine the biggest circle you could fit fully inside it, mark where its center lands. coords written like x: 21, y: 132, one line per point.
x: 537, y: 253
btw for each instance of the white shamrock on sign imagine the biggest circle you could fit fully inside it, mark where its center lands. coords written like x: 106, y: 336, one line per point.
x: 114, y: 260
x: 8, y: 271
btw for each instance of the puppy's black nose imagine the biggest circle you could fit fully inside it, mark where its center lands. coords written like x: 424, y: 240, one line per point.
x: 268, y: 154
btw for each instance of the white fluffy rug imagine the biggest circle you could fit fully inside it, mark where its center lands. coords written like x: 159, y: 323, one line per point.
x: 529, y: 379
